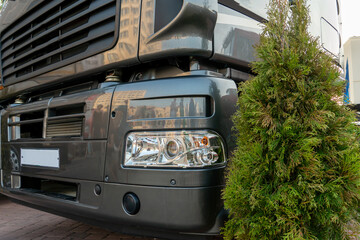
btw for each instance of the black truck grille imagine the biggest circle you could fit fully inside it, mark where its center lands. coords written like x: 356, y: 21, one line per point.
x: 56, y: 33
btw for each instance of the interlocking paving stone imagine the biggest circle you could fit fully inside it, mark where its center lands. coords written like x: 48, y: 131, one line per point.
x: 18, y: 222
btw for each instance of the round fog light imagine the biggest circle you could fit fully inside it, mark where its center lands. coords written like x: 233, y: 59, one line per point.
x: 131, y: 203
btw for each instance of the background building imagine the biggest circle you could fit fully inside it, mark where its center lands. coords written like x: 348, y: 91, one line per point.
x: 352, y: 70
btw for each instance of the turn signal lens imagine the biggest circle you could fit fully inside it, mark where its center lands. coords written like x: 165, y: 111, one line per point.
x: 186, y: 149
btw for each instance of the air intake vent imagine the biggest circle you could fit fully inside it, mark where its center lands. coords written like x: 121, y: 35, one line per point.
x: 54, y: 34
x: 26, y: 125
x: 65, y: 128
x: 65, y: 122
x: 58, y: 122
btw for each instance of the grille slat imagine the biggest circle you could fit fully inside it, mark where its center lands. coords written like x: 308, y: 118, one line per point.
x: 65, y: 121
x: 30, y: 18
x: 77, y: 115
x: 52, y: 127
x: 44, y: 57
x: 60, y: 135
x: 76, y: 30
x: 59, y: 128
x: 62, y: 37
x: 66, y: 128
x: 37, y: 27
x: 54, y: 29
x: 25, y: 122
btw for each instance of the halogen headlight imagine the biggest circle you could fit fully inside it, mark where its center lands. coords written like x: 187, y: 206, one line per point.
x: 174, y: 149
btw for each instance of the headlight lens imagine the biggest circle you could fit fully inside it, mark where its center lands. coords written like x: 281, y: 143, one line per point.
x: 187, y: 149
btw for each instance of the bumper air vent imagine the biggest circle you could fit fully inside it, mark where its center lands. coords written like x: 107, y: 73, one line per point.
x: 58, y: 122
x: 50, y: 188
x: 26, y: 125
x: 56, y: 33
x: 64, y: 128
x: 65, y: 122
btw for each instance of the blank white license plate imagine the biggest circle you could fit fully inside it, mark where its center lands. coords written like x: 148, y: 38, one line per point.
x: 40, y: 157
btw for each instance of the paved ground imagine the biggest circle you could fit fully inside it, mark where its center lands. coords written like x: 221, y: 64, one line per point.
x: 30, y: 224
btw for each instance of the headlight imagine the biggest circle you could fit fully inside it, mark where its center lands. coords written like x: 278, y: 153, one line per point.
x: 187, y: 149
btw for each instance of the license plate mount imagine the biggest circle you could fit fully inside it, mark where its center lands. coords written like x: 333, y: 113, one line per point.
x: 49, y: 158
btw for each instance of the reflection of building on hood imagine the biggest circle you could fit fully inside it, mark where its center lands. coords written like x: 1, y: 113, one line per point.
x: 182, y: 113
x: 239, y: 43
x: 231, y: 91
x: 192, y: 108
x: 173, y: 108
x: 102, y: 100
x: 99, y: 107
x: 228, y: 102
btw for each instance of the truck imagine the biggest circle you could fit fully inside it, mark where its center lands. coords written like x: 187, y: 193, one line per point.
x: 118, y: 112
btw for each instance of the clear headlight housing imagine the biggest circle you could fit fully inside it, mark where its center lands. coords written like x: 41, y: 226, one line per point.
x: 185, y: 149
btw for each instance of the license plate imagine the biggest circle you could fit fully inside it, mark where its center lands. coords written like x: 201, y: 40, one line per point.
x: 40, y: 157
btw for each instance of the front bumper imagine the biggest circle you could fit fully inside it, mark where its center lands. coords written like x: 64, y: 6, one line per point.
x: 164, y: 211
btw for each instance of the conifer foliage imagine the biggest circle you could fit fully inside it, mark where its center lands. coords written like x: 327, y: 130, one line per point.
x: 295, y: 172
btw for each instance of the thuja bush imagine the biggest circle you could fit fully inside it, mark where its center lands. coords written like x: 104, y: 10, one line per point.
x: 295, y: 172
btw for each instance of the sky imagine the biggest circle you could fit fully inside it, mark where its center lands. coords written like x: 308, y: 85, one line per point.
x: 350, y: 15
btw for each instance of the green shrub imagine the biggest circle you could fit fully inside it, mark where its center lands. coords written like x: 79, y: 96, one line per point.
x: 295, y: 172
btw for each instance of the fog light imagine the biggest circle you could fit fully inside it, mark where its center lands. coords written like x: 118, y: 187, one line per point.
x: 131, y: 203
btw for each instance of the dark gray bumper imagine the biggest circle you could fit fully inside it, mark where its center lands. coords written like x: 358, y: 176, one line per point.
x: 164, y: 211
